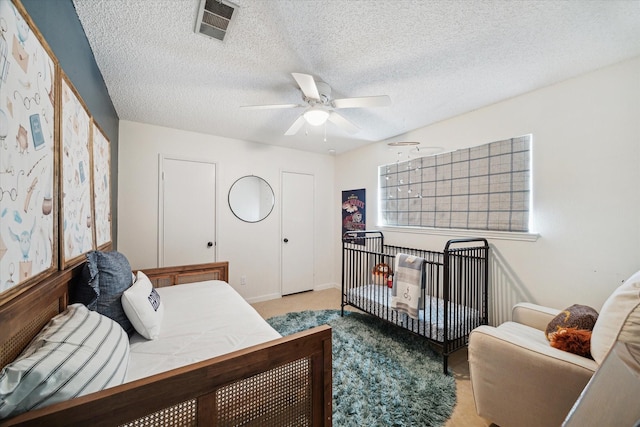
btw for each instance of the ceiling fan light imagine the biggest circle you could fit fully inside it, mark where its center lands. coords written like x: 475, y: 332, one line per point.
x: 316, y: 116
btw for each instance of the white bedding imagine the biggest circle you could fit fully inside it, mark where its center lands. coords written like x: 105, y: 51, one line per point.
x: 201, y: 320
x: 378, y: 298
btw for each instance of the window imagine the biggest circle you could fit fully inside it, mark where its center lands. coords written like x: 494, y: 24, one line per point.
x: 480, y: 188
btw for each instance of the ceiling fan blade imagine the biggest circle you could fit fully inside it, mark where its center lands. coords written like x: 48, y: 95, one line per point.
x: 295, y: 127
x: 364, y: 101
x: 269, y: 107
x: 343, y: 123
x: 307, y: 85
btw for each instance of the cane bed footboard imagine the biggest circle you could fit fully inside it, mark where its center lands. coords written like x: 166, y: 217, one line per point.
x: 278, y: 383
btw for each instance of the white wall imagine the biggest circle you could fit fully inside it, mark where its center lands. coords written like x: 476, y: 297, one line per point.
x: 586, y: 170
x: 252, y: 249
x: 586, y: 195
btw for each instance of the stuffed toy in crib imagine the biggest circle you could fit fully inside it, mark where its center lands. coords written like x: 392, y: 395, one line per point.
x: 382, y: 274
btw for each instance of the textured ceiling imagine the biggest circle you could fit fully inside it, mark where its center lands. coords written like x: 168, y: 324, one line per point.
x: 435, y: 59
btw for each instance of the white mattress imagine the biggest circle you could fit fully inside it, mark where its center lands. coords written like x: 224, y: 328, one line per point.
x: 201, y: 320
x: 377, y: 299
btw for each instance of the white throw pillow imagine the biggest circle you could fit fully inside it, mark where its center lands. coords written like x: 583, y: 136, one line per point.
x: 619, y: 319
x: 142, y: 305
x: 78, y: 352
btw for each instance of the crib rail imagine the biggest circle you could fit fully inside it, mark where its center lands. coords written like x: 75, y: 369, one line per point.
x: 454, y: 286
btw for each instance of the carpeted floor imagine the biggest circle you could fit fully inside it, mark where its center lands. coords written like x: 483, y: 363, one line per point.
x: 382, y: 375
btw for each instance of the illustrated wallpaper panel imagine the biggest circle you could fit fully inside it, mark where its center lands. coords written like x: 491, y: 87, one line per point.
x: 101, y: 186
x: 77, y: 221
x: 27, y: 152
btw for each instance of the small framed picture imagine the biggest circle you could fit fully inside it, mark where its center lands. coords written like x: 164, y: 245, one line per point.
x: 101, y: 156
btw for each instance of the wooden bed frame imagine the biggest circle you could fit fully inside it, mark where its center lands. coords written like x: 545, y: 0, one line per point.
x: 286, y: 381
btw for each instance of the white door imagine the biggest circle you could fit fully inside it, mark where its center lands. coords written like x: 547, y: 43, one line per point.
x: 297, y: 232
x: 187, y: 220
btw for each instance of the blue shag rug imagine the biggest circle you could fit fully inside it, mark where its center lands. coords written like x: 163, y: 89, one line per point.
x: 382, y: 374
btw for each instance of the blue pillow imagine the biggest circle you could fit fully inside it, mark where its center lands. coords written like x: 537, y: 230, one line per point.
x: 113, y: 277
x: 86, y: 290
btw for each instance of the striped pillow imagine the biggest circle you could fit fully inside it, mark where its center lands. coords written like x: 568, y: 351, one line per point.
x: 78, y: 352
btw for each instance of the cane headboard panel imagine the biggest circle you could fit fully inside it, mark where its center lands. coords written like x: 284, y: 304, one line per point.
x: 23, y: 316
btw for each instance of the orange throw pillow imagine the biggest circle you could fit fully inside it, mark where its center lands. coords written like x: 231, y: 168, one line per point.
x: 573, y: 340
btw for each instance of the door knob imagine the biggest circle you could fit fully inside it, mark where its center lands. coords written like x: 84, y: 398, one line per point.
x: 209, y: 244
x: 286, y: 240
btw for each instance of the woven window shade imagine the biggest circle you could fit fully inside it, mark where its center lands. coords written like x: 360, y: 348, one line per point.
x: 480, y: 188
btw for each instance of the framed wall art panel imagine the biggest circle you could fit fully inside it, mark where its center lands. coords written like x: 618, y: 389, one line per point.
x: 76, y: 216
x: 353, y: 210
x: 28, y: 147
x: 101, y: 157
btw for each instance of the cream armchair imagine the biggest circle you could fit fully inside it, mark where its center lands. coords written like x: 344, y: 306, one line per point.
x: 518, y: 379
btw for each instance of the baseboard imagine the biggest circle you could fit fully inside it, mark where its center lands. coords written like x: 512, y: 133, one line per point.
x: 261, y: 298
x: 269, y: 297
x: 326, y: 286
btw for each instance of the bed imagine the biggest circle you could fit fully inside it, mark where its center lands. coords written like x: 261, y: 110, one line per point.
x: 451, y: 296
x: 238, y: 373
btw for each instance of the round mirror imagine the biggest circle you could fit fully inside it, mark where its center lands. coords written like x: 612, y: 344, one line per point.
x: 251, y: 198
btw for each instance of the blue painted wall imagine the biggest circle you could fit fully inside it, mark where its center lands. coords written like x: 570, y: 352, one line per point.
x: 59, y: 24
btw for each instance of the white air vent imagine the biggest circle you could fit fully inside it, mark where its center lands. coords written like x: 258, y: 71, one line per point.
x: 214, y: 17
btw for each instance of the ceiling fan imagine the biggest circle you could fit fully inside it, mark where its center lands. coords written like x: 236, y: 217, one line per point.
x: 320, y: 106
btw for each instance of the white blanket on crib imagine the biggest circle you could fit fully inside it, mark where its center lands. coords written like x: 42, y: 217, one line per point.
x: 407, y: 284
